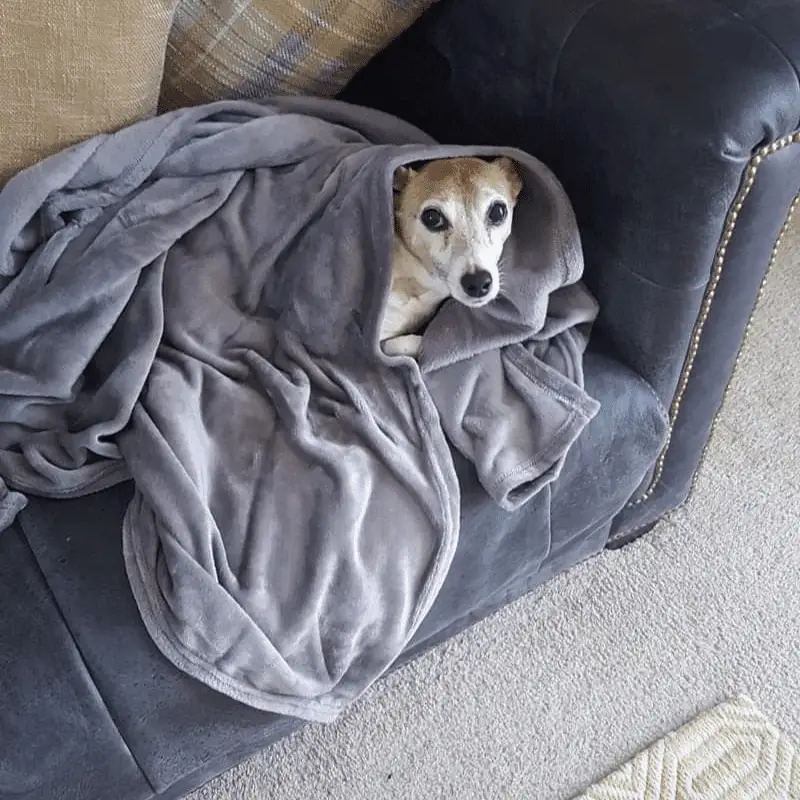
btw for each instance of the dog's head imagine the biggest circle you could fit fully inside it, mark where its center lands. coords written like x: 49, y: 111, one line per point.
x: 455, y: 215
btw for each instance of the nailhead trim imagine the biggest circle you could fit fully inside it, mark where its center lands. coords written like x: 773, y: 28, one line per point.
x: 705, y: 309
x: 745, y: 338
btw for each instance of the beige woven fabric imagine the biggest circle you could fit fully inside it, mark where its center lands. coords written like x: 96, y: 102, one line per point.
x: 260, y: 48
x: 730, y: 752
x: 72, y: 68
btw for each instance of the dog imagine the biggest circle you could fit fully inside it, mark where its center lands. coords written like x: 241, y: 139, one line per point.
x: 452, y: 218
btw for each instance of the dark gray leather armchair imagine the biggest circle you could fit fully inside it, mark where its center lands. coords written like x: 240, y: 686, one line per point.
x: 674, y: 127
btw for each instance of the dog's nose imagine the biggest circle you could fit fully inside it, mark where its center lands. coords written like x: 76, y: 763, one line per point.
x: 477, y: 284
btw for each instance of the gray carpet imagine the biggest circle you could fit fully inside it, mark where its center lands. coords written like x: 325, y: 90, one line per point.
x: 558, y: 689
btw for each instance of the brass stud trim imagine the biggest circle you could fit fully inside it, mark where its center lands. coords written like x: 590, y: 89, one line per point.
x: 705, y: 309
x: 745, y: 338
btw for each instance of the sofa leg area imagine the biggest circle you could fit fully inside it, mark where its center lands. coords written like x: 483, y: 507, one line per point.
x: 617, y: 542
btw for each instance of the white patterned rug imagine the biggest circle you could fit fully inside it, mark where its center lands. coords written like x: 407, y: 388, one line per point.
x: 730, y: 752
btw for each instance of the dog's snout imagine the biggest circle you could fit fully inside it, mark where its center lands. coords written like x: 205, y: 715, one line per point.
x: 477, y: 284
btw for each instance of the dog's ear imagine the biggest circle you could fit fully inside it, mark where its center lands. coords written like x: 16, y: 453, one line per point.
x: 509, y: 169
x: 402, y: 175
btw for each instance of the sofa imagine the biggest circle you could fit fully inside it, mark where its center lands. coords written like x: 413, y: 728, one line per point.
x: 675, y: 129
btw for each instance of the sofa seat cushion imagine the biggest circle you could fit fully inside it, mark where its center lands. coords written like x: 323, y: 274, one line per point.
x: 57, y: 738
x: 182, y: 733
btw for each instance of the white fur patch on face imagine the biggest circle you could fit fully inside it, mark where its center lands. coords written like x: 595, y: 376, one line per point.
x: 455, y: 216
x: 470, y: 244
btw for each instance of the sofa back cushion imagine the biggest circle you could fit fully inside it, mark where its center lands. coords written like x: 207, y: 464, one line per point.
x: 256, y: 48
x: 72, y: 68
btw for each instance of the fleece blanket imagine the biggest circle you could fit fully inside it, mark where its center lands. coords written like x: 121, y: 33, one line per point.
x: 193, y: 303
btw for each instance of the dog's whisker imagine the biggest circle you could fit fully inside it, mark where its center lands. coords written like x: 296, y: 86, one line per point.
x: 500, y: 274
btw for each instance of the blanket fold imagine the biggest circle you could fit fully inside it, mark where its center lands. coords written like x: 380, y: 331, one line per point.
x: 194, y: 303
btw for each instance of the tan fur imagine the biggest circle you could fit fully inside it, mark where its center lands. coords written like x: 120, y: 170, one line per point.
x: 456, y: 177
x: 428, y: 266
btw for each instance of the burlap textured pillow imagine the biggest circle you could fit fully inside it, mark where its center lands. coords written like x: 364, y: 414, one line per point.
x: 259, y: 48
x: 72, y: 68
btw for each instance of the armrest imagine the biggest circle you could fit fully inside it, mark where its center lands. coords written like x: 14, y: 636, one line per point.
x: 670, y: 124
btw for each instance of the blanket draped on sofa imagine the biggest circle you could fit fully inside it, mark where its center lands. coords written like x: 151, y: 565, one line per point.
x: 193, y: 302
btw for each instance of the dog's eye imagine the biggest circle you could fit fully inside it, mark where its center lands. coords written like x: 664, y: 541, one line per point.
x: 497, y: 212
x: 434, y: 220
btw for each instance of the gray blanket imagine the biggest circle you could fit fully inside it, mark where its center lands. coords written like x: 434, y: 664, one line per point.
x: 193, y: 303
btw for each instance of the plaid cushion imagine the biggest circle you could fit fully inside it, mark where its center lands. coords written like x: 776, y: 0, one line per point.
x: 257, y: 48
x: 73, y: 68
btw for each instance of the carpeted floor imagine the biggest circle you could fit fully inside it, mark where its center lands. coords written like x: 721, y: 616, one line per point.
x: 562, y: 687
